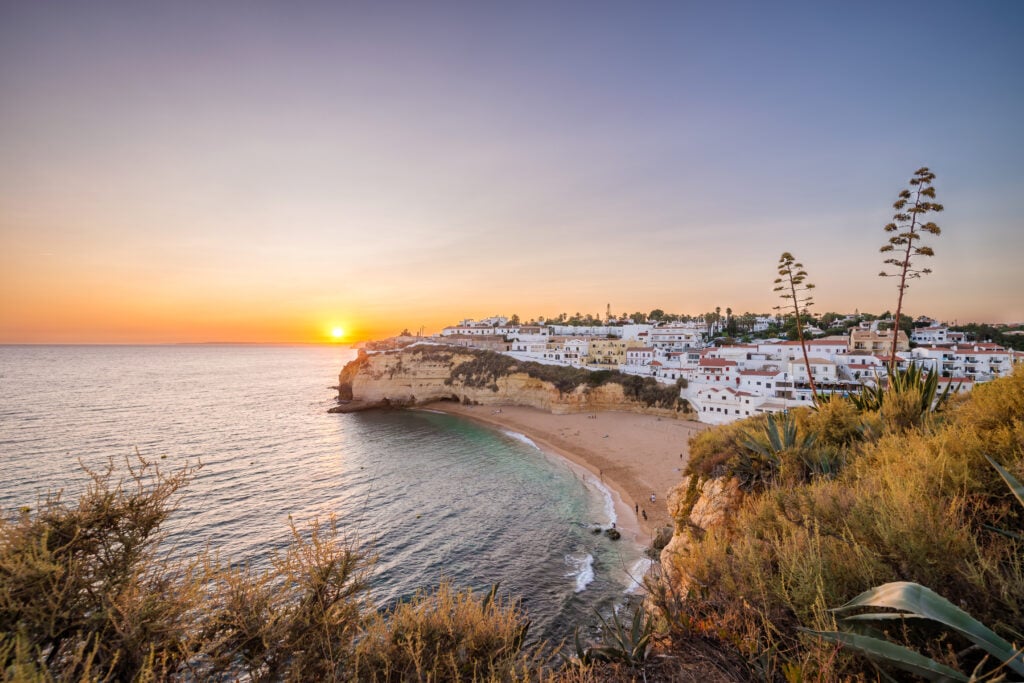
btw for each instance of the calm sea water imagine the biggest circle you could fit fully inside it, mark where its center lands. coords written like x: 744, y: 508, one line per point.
x: 434, y: 496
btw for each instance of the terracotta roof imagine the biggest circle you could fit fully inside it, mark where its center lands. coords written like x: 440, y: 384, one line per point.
x: 818, y: 342
x: 760, y: 373
x: 729, y: 389
x: 716, y: 363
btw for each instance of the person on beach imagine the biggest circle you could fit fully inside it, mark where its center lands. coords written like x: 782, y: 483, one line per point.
x: 645, y: 514
x: 653, y: 497
x: 637, y: 510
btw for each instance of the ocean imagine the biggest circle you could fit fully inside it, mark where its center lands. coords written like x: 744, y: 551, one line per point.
x: 433, y: 496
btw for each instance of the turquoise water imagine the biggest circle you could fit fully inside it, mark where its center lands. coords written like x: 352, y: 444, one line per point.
x: 433, y: 496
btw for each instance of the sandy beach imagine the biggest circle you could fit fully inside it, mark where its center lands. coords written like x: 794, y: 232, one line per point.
x: 634, y: 455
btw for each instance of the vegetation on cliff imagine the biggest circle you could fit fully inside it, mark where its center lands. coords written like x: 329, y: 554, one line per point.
x: 840, y: 500
x: 87, y: 593
x: 483, y: 369
x: 486, y: 367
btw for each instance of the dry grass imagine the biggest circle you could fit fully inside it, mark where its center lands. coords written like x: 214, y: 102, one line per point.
x: 913, y: 505
x: 86, y: 595
x: 446, y: 635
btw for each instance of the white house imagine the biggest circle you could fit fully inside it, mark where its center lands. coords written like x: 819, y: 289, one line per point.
x: 823, y: 371
x: 761, y: 382
x: 930, y: 335
x: 675, y: 337
x: 979, y: 362
x: 716, y: 370
x: 640, y: 356
x: 719, y: 405
x: 477, y: 329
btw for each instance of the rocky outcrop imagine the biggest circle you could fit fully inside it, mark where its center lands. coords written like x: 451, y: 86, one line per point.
x: 697, y: 508
x: 424, y: 374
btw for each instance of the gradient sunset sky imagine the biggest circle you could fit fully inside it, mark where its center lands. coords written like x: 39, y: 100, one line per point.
x: 249, y: 171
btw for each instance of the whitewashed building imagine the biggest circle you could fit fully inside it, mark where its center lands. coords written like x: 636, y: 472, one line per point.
x: 640, y: 356
x: 675, y: 337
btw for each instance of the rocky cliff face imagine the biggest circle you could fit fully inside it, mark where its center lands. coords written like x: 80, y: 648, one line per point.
x: 697, y: 507
x: 424, y: 374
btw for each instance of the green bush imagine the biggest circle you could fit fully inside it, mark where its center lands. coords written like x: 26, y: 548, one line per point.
x: 486, y: 367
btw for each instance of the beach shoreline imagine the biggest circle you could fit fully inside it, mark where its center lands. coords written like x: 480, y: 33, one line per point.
x: 632, y: 454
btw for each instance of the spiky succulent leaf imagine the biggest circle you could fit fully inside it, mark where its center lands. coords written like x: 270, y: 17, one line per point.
x: 885, y: 652
x: 920, y: 601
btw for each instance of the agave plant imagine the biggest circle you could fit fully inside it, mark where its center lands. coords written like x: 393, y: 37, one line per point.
x: 1018, y: 491
x: 778, y: 436
x: 901, y: 382
x: 914, y: 601
x: 759, y: 464
x: 629, y: 646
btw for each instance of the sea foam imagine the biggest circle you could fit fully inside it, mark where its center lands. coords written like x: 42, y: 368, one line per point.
x: 637, y: 573
x: 522, y: 438
x: 606, y: 493
x: 609, y: 501
x: 582, y: 569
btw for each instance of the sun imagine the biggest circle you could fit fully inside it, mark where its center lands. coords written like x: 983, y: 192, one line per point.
x: 337, y: 333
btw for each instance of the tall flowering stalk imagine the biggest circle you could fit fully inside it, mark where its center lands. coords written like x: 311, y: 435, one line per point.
x: 793, y: 286
x: 908, y: 226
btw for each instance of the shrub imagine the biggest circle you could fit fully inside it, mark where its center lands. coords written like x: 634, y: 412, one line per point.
x: 86, y: 594
x: 916, y: 504
x: 446, y: 635
x: 83, y: 592
x: 713, y: 449
x: 295, y: 621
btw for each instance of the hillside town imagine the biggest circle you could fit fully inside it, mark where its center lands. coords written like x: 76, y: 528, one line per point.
x: 725, y: 380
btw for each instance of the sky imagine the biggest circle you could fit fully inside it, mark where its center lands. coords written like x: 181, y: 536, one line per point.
x: 269, y: 171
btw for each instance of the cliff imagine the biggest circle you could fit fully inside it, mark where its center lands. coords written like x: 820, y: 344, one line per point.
x: 423, y: 374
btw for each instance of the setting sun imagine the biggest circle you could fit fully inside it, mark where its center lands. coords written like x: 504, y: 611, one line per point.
x: 337, y: 333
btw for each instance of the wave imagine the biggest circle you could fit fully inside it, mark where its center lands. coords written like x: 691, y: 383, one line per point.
x: 637, y: 573
x: 583, y: 570
x: 522, y: 438
x: 609, y: 501
x: 606, y: 493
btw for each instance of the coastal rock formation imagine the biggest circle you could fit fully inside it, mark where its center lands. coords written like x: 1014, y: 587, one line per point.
x: 697, y: 508
x: 423, y: 374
